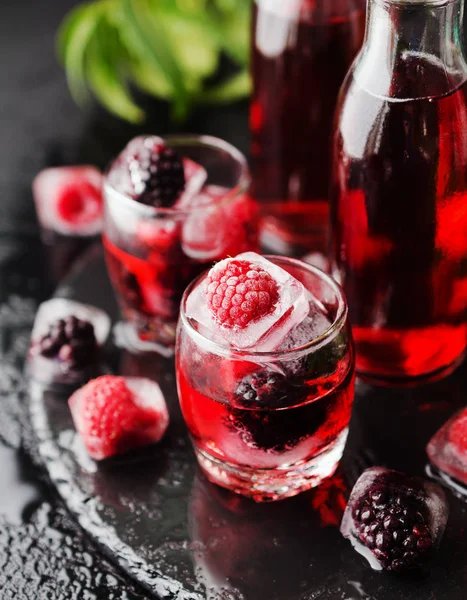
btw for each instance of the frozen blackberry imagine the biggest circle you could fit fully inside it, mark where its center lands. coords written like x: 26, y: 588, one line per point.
x: 157, y: 174
x: 266, y: 428
x: 398, y: 518
x: 263, y: 389
x: 71, y: 340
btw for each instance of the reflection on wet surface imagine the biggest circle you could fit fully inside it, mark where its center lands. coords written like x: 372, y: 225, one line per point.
x: 184, y: 538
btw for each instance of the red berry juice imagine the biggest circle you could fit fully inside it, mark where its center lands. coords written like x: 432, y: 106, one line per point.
x: 266, y: 434
x: 301, y: 53
x: 400, y: 220
x: 151, y: 268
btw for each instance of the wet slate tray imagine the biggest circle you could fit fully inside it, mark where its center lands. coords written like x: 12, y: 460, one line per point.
x: 155, y: 514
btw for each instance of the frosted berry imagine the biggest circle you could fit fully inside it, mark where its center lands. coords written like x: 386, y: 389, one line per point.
x: 71, y: 340
x: 391, y: 521
x: 114, y: 415
x: 240, y: 293
x: 458, y: 433
x: 157, y: 174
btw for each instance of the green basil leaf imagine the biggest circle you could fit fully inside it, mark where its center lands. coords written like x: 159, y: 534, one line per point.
x: 73, y: 43
x: 234, y: 88
x: 236, y: 33
x: 149, y: 38
x: 104, y: 50
x: 195, y: 41
x: 150, y: 80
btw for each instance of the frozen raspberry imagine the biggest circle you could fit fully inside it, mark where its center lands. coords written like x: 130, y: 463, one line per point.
x: 240, y: 293
x: 114, y: 415
x: 71, y: 341
x: 157, y: 174
x: 69, y: 200
x: 398, y: 518
x: 458, y: 433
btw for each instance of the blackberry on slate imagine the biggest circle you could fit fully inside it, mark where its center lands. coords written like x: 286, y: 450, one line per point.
x: 157, y: 174
x: 71, y: 340
x: 266, y: 428
x: 391, y: 520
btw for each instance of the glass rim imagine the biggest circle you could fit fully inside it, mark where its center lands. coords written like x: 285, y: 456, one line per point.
x: 417, y: 3
x: 178, y: 140
x: 272, y: 356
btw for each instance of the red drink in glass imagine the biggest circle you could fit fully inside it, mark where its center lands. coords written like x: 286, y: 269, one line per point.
x: 152, y: 254
x: 270, y: 425
x: 301, y: 53
x: 400, y: 201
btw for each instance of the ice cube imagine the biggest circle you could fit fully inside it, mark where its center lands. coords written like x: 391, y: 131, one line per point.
x: 394, y: 520
x: 51, y: 370
x: 69, y: 200
x: 311, y: 328
x: 204, y: 232
x: 267, y: 333
x: 447, y: 449
x: 195, y: 178
x: 218, y: 227
x: 162, y: 235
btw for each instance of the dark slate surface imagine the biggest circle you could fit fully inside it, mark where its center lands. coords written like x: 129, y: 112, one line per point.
x: 43, y: 553
x: 185, y: 539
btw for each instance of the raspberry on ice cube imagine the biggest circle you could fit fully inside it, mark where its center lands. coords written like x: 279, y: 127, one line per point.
x: 69, y: 200
x: 65, y: 342
x: 115, y: 415
x: 447, y: 449
x: 249, y: 301
x: 395, y: 521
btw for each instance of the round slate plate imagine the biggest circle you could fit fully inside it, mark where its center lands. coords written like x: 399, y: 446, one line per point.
x: 182, y: 538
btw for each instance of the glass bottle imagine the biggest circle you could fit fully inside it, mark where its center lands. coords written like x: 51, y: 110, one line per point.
x: 302, y: 50
x: 399, y: 199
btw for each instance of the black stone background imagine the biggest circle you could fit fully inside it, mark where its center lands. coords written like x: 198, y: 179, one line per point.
x: 43, y: 553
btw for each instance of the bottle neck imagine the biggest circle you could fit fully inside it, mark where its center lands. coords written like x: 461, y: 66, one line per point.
x: 412, y: 48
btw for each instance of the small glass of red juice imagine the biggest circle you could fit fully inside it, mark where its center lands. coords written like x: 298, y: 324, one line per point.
x: 161, y: 231
x: 269, y: 424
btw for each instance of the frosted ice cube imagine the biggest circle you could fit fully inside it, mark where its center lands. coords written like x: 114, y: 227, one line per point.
x: 447, y: 449
x: 49, y: 370
x: 268, y: 333
x: 424, y: 504
x: 60, y: 308
x: 69, y: 200
x: 205, y: 230
x: 159, y: 234
x: 218, y: 227
x: 195, y: 178
x: 311, y: 328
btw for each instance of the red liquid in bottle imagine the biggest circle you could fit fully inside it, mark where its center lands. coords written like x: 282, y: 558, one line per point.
x: 400, y: 220
x: 301, y: 53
